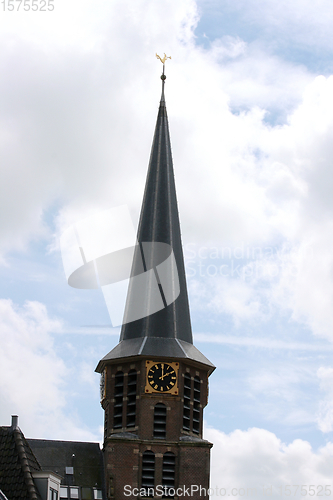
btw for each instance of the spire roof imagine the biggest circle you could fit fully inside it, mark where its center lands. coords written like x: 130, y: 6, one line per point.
x: 159, y: 222
x: 166, y: 332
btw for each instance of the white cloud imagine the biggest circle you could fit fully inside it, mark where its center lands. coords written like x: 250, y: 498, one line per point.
x: 80, y: 91
x: 279, y: 394
x: 74, y: 114
x: 238, y: 299
x: 256, y: 458
x: 33, y: 376
x: 291, y: 179
x: 325, y: 410
x: 76, y: 117
x: 261, y: 342
x: 252, y: 76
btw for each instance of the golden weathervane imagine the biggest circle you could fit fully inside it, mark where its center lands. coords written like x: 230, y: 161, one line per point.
x: 164, y: 58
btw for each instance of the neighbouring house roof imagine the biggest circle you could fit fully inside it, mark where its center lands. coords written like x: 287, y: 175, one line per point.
x: 17, y: 463
x: 85, y: 458
x: 78, y: 464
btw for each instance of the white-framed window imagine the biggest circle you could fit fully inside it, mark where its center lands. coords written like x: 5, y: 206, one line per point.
x: 53, y: 494
x: 97, y: 494
x: 74, y: 492
x: 63, y: 492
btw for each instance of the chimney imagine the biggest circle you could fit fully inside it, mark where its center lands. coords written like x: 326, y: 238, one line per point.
x: 14, y: 422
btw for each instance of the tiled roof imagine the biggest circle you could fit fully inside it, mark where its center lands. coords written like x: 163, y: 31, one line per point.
x: 17, y: 462
x: 85, y: 458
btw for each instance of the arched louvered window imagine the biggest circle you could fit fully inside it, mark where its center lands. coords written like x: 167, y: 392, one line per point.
x: 148, y: 473
x: 131, y: 399
x: 168, y: 473
x: 196, y: 405
x: 106, y: 421
x: 118, y: 400
x: 187, y: 401
x: 160, y: 412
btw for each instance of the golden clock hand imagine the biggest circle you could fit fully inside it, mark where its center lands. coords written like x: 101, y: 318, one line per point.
x: 165, y: 375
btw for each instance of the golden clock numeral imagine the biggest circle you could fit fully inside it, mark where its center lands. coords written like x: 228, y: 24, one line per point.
x: 172, y: 383
x: 155, y: 386
x: 168, y: 388
x: 150, y: 376
x: 173, y: 378
x: 161, y: 389
x: 151, y: 382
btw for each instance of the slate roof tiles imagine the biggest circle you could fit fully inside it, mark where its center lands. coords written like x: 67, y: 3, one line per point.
x: 17, y: 462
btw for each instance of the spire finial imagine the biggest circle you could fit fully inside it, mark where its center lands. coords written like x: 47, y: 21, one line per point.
x: 163, y: 77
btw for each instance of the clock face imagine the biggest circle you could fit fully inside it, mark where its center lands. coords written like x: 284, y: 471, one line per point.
x: 162, y: 377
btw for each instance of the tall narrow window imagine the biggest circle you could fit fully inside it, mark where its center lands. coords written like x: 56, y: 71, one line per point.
x: 131, y: 399
x: 106, y: 421
x: 196, y: 405
x: 168, y: 472
x: 160, y: 412
x: 187, y: 401
x: 118, y: 400
x: 148, y: 473
x: 53, y: 494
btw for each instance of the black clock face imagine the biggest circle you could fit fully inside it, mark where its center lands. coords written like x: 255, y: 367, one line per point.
x: 162, y: 377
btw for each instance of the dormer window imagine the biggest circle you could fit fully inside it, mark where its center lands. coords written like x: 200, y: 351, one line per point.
x: 48, y: 483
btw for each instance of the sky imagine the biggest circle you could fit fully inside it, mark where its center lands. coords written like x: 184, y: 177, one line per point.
x: 249, y: 94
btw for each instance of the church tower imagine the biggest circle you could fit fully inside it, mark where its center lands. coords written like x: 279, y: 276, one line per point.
x: 154, y: 383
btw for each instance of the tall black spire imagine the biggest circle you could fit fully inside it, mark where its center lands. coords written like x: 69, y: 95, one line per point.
x: 166, y: 332
x: 159, y: 222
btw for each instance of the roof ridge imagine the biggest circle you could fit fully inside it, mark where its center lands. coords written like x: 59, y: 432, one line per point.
x: 20, y: 442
